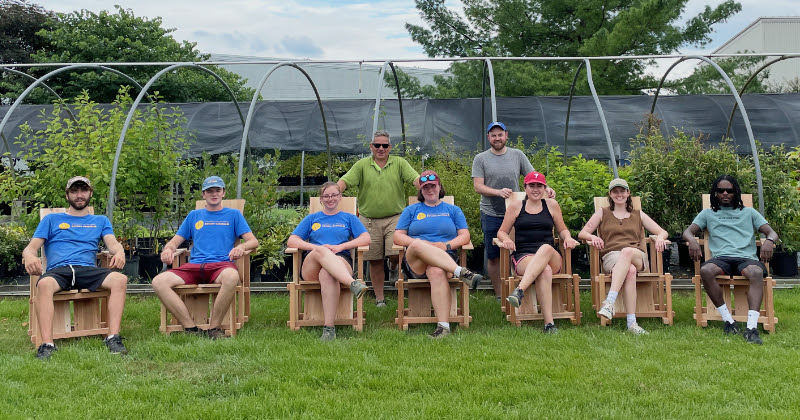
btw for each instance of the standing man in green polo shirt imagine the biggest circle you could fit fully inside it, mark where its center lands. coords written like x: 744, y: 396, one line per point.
x: 381, y: 198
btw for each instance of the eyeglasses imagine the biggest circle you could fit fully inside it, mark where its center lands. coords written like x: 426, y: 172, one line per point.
x: 725, y: 190
x: 328, y: 197
x: 427, y: 178
x: 379, y: 145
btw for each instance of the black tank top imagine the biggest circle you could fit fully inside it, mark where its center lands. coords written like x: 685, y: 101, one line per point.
x: 533, y: 230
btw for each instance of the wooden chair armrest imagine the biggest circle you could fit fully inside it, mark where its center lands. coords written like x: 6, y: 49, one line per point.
x: 180, y: 251
x: 396, y: 247
x: 364, y: 248
x: 654, y: 237
x: 468, y: 246
x: 497, y: 242
x: 291, y: 250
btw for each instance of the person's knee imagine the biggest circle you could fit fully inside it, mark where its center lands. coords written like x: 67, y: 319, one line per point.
x: 753, y: 273
x: 47, y: 286
x: 709, y: 271
x: 629, y: 252
x: 117, y: 281
x: 416, y: 246
x: 161, y: 282
x: 436, y: 273
x: 228, y: 278
x: 631, y: 272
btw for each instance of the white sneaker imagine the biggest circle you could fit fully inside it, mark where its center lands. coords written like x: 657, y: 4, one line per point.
x: 635, y: 329
x: 607, y: 310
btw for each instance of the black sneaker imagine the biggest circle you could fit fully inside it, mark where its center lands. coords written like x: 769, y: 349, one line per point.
x: 45, y: 350
x: 328, y: 333
x: 193, y: 331
x: 515, y: 298
x: 470, y: 279
x: 215, y: 333
x: 440, y: 332
x: 731, y: 328
x: 115, y: 345
x: 550, y: 329
x: 751, y: 335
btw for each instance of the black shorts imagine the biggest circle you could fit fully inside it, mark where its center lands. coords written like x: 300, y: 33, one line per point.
x: 410, y: 274
x: 78, y: 277
x: 733, y: 266
x: 344, y: 254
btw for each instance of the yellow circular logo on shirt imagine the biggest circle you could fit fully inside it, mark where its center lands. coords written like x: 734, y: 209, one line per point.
x: 198, y: 225
x: 315, y: 226
x: 421, y: 216
x: 64, y: 226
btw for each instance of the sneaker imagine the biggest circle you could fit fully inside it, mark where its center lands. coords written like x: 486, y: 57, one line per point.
x: 328, y: 333
x: 515, y: 298
x: 731, y: 328
x: 215, y: 333
x: 470, y: 279
x: 607, y: 310
x: 115, y: 345
x: 380, y: 303
x: 193, y: 331
x: 358, y: 288
x: 635, y: 329
x: 440, y: 332
x: 751, y: 335
x: 550, y: 329
x: 45, y: 350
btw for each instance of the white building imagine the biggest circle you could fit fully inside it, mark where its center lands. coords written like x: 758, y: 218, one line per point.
x: 770, y: 35
x: 333, y: 80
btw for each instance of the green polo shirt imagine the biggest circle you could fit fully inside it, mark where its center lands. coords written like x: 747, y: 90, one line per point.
x: 381, y: 192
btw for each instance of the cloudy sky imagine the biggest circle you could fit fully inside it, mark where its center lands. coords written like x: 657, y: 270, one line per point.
x: 336, y: 29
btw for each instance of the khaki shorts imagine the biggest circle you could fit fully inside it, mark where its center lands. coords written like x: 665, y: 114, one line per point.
x: 381, y: 231
x: 610, y: 260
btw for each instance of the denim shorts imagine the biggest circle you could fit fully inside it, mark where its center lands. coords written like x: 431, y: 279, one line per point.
x: 490, y: 225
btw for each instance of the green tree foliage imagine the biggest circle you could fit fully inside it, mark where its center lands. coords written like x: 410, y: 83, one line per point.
x: 705, y: 80
x: 106, y: 37
x: 19, y: 22
x: 557, y: 28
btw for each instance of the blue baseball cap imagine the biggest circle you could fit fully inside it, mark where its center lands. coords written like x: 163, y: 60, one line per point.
x: 213, y: 181
x: 496, y: 124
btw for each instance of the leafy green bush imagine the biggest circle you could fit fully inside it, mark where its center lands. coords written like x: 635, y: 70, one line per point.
x: 272, y: 226
x: 12, y: 241
x: 781, y: 196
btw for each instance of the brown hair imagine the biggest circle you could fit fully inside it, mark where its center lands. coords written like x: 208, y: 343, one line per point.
x: 326, y: 185
x: 628, y: 203
x: 441, y: 192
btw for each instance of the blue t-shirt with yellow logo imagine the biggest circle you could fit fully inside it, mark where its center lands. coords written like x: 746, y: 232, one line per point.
x: 213, y: 233
x: 322, y: 229
x: 433, y: 224
x: 72, y: 240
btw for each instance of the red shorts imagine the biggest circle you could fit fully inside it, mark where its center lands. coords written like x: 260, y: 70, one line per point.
x: 201, y: 273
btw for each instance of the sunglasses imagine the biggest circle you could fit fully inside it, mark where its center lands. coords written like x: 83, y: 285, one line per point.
x: 378, y: 145
x: 725, y: 190
x: 427, y: 178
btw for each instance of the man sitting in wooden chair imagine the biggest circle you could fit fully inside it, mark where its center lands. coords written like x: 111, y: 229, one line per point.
x: 70, y: 245
x: 730, y: 226
x: 214, y: 231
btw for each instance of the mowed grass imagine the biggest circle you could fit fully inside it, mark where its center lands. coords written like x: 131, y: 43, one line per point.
x: 489, y: 370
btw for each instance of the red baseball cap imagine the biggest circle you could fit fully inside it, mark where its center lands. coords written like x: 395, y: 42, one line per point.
x: 535, y: 178
x: 429, y: 177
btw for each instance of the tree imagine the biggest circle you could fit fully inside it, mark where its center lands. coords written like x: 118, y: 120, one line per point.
x: 18, y: 40
x: 558, y: 28
x: 706, y: 80
x: 88, y: 37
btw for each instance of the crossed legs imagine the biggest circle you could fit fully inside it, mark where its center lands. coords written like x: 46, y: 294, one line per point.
x: 629, y: 262
x: 423, y: 257
x: 539, y: 269
x: 330, y: 270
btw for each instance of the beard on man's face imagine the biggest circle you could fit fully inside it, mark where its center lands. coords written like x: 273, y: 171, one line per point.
x: 78, y: 204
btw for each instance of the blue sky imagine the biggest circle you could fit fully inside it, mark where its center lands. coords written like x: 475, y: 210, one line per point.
x: 346, y: 30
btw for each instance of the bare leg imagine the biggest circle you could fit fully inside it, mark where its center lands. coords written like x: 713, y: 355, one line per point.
x: 532, y: 267
x: 544, y: 293
x: 440, y: 293
x: 162, y: 286
x: 493, y: 270
x: 330, y: 270
x: 421, y: 254
x: 629, y: 297
x: 377, y: 277
x: 707, y: 274
x: 627, y: 257
x: 45, y: 290
x: 228, y: 279
x: 756, y: 290
x: 117, y: 283
x: 330, y: 290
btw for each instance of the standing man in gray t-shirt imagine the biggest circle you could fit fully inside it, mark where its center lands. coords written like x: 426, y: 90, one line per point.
x: 495, y: 175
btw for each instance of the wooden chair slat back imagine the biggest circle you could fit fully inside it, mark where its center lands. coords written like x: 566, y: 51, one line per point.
x: 346, y: 204
x: 447, y: 199
x: 237, y: 204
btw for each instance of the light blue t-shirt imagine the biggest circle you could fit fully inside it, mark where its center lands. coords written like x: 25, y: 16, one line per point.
x: 213, y: 233
x: 434, y: 224
x: 72, y: 240
x: 322, y: 229
x: 731, y: 231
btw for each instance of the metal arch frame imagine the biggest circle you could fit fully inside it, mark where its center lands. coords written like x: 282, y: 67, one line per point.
x: 753, y: 150
x: 612, y: 158
x: 750, y: 79
x: 134, y: 105
x: 487, y: 64
x: 251, y: 112
x: 400, y: 104
x: 378, y: 103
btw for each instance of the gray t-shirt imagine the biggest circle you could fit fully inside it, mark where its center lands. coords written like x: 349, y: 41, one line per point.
x: 499, y: 171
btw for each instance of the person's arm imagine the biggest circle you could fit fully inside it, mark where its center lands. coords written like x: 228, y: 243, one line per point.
x: 654, y: 228
x: 587, y: 233
x: 482, y: 189
x: 297, y: 242
x: 250, y: 243
x: 561, y: 227
x: 116, y: 250
x: 689, y: 235
x: 768, y: 244
x: 31, y: 261
x: 460, y: 240
x: 342, y: 185
x: 401, y: 237
x: 168, y: 253
x: 503, y: 234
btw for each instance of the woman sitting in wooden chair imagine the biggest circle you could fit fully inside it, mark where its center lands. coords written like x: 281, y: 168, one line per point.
x: 535, y: 257
x: 620, y: 229
x: 432, y: 230
x: 326, y: 238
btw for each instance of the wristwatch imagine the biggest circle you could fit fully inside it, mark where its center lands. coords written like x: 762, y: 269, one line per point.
x: 770, y: 239
x: 447, y: 244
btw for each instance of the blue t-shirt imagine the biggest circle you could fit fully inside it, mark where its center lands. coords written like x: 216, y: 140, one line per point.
x: 72, y: 240
x: 322, y: 229
x: 213, y: 233
x: 433, y: 224
x: 731, y: 231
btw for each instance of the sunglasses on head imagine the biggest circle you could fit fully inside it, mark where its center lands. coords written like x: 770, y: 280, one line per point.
x: 427, y: 178
x: 379, y: 145
x: 725, y: 190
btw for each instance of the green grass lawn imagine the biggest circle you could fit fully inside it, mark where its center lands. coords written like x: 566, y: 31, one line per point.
x: 490, y: 370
